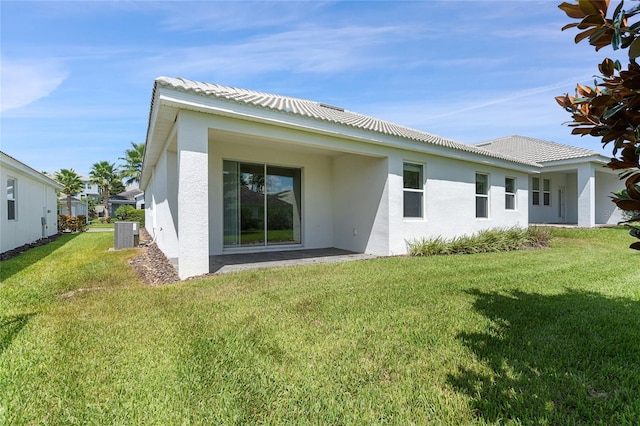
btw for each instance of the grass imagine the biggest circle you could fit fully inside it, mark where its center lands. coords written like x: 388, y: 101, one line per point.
x: 538, y: 336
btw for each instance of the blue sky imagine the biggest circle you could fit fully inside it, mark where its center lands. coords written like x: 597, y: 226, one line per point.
x: 77, y: 76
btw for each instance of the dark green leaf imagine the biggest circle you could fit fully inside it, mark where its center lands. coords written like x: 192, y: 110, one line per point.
x: 612, y: 111
x: 634, y: 49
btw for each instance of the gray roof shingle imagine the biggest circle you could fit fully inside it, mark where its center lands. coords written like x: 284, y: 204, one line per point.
x: 327, y: 113
x: 534, y: 150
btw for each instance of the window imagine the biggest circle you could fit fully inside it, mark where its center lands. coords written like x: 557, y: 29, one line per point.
x: 11, y: 199
x: 546, y: 192
x: 482, y: 195
x: 509, y: 193
x: 262, y: 205
x: 413, y: 190
x: 535, y: 191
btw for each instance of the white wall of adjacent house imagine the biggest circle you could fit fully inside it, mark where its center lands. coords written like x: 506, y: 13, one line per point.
x: 33, y: 205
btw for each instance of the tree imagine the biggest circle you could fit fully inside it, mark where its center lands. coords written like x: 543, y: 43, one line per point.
x: 131, y: 170
x: 71, y: 183
x: 104, y: 174
x: 610, y: 110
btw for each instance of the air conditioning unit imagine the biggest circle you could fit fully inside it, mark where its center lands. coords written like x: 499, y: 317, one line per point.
x: 126, y: 235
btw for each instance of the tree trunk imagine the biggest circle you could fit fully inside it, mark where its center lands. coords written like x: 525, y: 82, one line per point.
x: 105, y: 201
x: 68, y: 204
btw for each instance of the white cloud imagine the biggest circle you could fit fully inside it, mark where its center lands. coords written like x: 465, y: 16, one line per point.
x: 310, y: 50
x: 24, y: 82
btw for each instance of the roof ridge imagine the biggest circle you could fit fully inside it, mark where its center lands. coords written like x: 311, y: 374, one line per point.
x: 325, y: 112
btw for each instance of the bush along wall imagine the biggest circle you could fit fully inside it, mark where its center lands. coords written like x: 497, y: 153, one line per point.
x: 490, y: 240
x: 72, y: 224
x: 129, y: 213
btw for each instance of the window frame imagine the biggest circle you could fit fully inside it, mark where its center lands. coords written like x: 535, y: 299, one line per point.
x: 483, y: 196
x: 535, y: 191
x: 407, y: 190
x: 12, y: 205
x: 236, y: 209
x: 510, y: 194
x: 546, y: 192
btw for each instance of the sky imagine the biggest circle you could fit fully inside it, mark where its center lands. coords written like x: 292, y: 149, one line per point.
x: 76, y: 76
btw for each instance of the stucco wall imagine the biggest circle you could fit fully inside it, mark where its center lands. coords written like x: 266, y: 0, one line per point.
x: 361, y: 204
x: 317, y: 199
x: 551, y: 213
x: 450, y: 200
x: 606, y: 210
x: 34, y: 200
x: 162, y: 209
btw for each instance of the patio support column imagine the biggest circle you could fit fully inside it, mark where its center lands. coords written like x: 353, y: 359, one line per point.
x: 193, y: 195
x: 586, y: 196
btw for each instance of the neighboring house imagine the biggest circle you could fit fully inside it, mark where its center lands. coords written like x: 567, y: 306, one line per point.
x: 28, y: 204
x: 221, y: 163
x: 574, y: 185
x: 133, y: 197
x: 78, y: 206
x: 89, y: 189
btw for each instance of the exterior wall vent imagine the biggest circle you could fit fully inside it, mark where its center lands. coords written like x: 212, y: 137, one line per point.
x: 335, y: 108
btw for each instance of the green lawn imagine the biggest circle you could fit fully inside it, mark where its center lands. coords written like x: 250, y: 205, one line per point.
x: 541, y: 336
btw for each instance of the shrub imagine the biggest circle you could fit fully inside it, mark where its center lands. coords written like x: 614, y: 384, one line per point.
x: 81, y: 223
x: 130, y: 213
x: 70, y: 223
x: 122, y: 212
x: 489, y: 240
x: 137, y: 215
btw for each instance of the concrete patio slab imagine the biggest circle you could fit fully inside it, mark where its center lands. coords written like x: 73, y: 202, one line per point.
x: 226, y: 263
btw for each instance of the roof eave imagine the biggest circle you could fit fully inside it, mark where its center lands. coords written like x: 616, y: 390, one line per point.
x: 168, y: 97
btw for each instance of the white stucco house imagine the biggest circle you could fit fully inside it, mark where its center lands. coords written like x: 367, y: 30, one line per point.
x: 78, y: 206
x: 28, y: 204
x: 572, y: 187
x: 228, y: 170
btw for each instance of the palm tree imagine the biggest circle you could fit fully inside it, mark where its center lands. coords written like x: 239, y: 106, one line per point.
x: 131, y: 170
x: 103, y: 174
x: 71, y: 183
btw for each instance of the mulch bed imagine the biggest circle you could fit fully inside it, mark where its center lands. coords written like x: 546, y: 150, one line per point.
x: 151, y: 264
x: 19, y: 250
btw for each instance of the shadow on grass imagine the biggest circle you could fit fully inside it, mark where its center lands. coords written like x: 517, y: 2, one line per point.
x: 29, y: 257
x: 570, y: 358
x: 10, y: 328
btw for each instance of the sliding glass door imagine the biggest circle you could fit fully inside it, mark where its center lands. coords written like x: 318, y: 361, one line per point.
x: 261, y: 205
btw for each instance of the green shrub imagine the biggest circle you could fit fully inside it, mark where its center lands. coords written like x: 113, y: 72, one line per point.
x: 129, y: 213
x: 489, y: 240
x: 122, y: 212
x: 137, y: 215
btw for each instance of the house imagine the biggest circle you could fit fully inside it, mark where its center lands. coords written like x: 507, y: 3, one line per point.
x: 229, y: 170
x: 28, y: 206
x: 133, y: 197
x: 573, y: 186
x: 78, y: 206
x: 89, y: 189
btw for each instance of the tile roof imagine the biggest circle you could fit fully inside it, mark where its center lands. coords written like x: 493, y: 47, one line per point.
x: 129, y: 195
x: 323, y: 112
x: 534, y: 150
